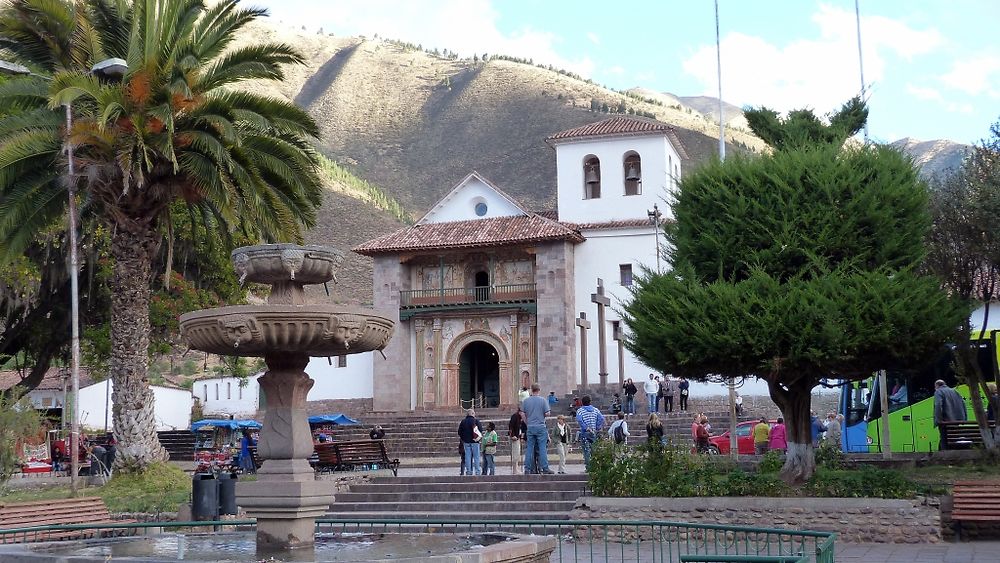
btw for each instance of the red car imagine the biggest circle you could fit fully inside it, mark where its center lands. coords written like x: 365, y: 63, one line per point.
x: 719, y: 445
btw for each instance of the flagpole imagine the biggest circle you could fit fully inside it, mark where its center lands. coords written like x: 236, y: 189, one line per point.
x: 861, y: 61
x: 718, y: 66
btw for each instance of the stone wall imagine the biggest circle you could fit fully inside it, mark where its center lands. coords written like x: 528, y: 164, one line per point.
x: 853, y: 520
x: 394, y: 373
x: 556, y: 338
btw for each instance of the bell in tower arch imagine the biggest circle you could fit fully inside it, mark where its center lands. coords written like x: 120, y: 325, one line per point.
x: 632, y: 173
x: 591, y: 176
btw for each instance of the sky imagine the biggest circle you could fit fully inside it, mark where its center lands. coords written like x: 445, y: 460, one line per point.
x: 931, y: 67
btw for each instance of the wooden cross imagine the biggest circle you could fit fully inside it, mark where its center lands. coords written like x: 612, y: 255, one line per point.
x: 619, y: 337
x: 584, y: 324
x: 602, y: 301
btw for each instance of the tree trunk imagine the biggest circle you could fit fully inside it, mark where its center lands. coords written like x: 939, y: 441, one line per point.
x: 132, y: 247
x: 795, y: 402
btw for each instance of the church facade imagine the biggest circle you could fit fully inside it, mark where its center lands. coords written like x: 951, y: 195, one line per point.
x: 492, y: 296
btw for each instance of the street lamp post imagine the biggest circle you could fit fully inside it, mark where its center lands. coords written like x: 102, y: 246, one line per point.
x: 110, y: 68
x: 654, y: 219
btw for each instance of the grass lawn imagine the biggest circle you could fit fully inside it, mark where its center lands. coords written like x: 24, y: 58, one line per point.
x: 160, y: 489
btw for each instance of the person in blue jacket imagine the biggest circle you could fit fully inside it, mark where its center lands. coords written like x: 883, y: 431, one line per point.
x: 816, y: 428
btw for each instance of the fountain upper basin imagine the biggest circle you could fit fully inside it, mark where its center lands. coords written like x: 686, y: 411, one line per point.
x: 275, y: 263
x: 256, y: 330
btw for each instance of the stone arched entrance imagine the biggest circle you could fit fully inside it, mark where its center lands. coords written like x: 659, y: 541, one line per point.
x: 476, y: 342
x: 479, y: 375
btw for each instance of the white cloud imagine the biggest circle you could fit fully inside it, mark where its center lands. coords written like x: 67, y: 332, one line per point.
x: 465, y: 26
x: 975, y: 75
x: 924, y: 93
x: 818, y: 73
x: 616, y: 70
x: 594, y: 38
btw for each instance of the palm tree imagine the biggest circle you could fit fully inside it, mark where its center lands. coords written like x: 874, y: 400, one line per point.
x: 175, y: 127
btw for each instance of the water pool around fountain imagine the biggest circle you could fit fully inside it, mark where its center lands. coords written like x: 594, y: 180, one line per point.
x: 239, y: 547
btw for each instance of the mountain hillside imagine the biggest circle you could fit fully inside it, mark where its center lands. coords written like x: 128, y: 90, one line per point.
x: 410, y: 124
x: 935, y: 158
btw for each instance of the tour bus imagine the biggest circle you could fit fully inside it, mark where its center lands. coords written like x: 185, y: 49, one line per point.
x: 911, y: 403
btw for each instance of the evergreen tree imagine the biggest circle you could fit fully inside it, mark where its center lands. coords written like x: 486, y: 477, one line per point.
x: 794, y: 267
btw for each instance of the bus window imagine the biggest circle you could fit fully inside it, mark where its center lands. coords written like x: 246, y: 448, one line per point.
x: 856, y: 402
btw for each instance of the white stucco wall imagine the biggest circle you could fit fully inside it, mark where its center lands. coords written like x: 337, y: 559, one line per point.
x: 223, y: 396
x: 172, y: 407
x: 352, y: 382
x: 47, y: 398
x: 657, y: 155
x: 460, y: 203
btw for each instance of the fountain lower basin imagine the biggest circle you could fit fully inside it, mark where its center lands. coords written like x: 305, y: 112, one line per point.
x: 258, y: 330
x: 233, y: 547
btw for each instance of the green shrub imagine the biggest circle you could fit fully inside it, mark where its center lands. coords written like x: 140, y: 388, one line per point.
x: 869, y: 482
x: 771, y: 462
x: 160, y: 488
x: 830, y: 456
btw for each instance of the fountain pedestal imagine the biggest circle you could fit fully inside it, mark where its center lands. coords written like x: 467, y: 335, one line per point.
x: 286, y: 499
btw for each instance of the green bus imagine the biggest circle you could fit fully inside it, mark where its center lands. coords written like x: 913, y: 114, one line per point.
x: 911, y: 403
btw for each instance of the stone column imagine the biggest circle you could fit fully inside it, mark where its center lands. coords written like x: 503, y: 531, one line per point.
x: 439, y: 391
x: 508, y: 391
x: 619, y: 337
x: 418, y: 328
x: 286, y: 499
x: 584, y: 324
x: 602, y: 301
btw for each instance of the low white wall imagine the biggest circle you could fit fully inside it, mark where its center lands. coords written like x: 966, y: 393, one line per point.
x: 354, y: 381
x: 172, y: 407
x: 223, y: 396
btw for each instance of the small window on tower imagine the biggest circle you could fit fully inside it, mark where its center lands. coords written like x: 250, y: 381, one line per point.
x: 626, y: 274
x: 342, y: 361
x: 481, y: 209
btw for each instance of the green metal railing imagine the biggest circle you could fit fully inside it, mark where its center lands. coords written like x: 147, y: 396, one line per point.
x: 468, y: 295
x: 577, y: 540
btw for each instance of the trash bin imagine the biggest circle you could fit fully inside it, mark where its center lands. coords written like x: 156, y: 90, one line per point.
x: 227, y: 493
x: 204, y: 497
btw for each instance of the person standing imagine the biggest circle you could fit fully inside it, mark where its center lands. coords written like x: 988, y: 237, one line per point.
x: 654, y: 430
x: 651, y: 388
x: 522, y: 395
x: 702, y: 433
x: 591, y: 421
x: 738, y: 401
x: 471, y: 433
x: 246, y: 457
x: 552, y: 399
x: 561, y: 436
x: 490, y: 441
x: 535, y: 410
x: 667, y: 387
x: 516, y: 431
x: 761, y: 437
x: 683, y: 386
x: 816, y: 429
x: 630, y: 390
x: 832, y: 434
x: 619, y: 430
x: 694, y: 429
x: 778, y: 440
x: 949, y: 406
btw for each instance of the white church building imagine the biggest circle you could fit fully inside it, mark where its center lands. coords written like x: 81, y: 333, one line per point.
x: 492, y: 296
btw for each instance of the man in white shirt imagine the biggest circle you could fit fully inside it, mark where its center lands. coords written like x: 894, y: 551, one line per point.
x: 651, y: 387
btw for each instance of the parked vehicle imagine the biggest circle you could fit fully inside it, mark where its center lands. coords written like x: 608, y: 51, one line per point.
x: 719, y: 445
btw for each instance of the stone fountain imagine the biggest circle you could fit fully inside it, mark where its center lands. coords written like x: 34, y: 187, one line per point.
x: 286, y: 498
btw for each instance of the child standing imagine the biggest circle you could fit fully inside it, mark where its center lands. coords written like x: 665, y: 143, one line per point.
x: 490, y: 440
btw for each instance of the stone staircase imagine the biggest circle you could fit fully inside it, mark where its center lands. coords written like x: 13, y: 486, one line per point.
x: 178, y: 443
x: 433, y: 437
x: 501, y: 497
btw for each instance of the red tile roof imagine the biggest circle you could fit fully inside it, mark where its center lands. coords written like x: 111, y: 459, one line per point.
x: 52, y: 380
x: 494, y: 231
x: 621, y: 126
x: 619, y: 224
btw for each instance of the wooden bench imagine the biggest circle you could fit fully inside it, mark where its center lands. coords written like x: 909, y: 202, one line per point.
x: 960, y: 435
x: 86, y: 510
x: 326, y: 457
x: 354, y: 455
x: 975, y: 501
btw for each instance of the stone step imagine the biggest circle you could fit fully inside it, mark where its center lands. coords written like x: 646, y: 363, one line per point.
x: 399, y: 488
x: 457, y: 516
x: 535, y: 507
x: 475, y: 494
x: 445, y: 479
